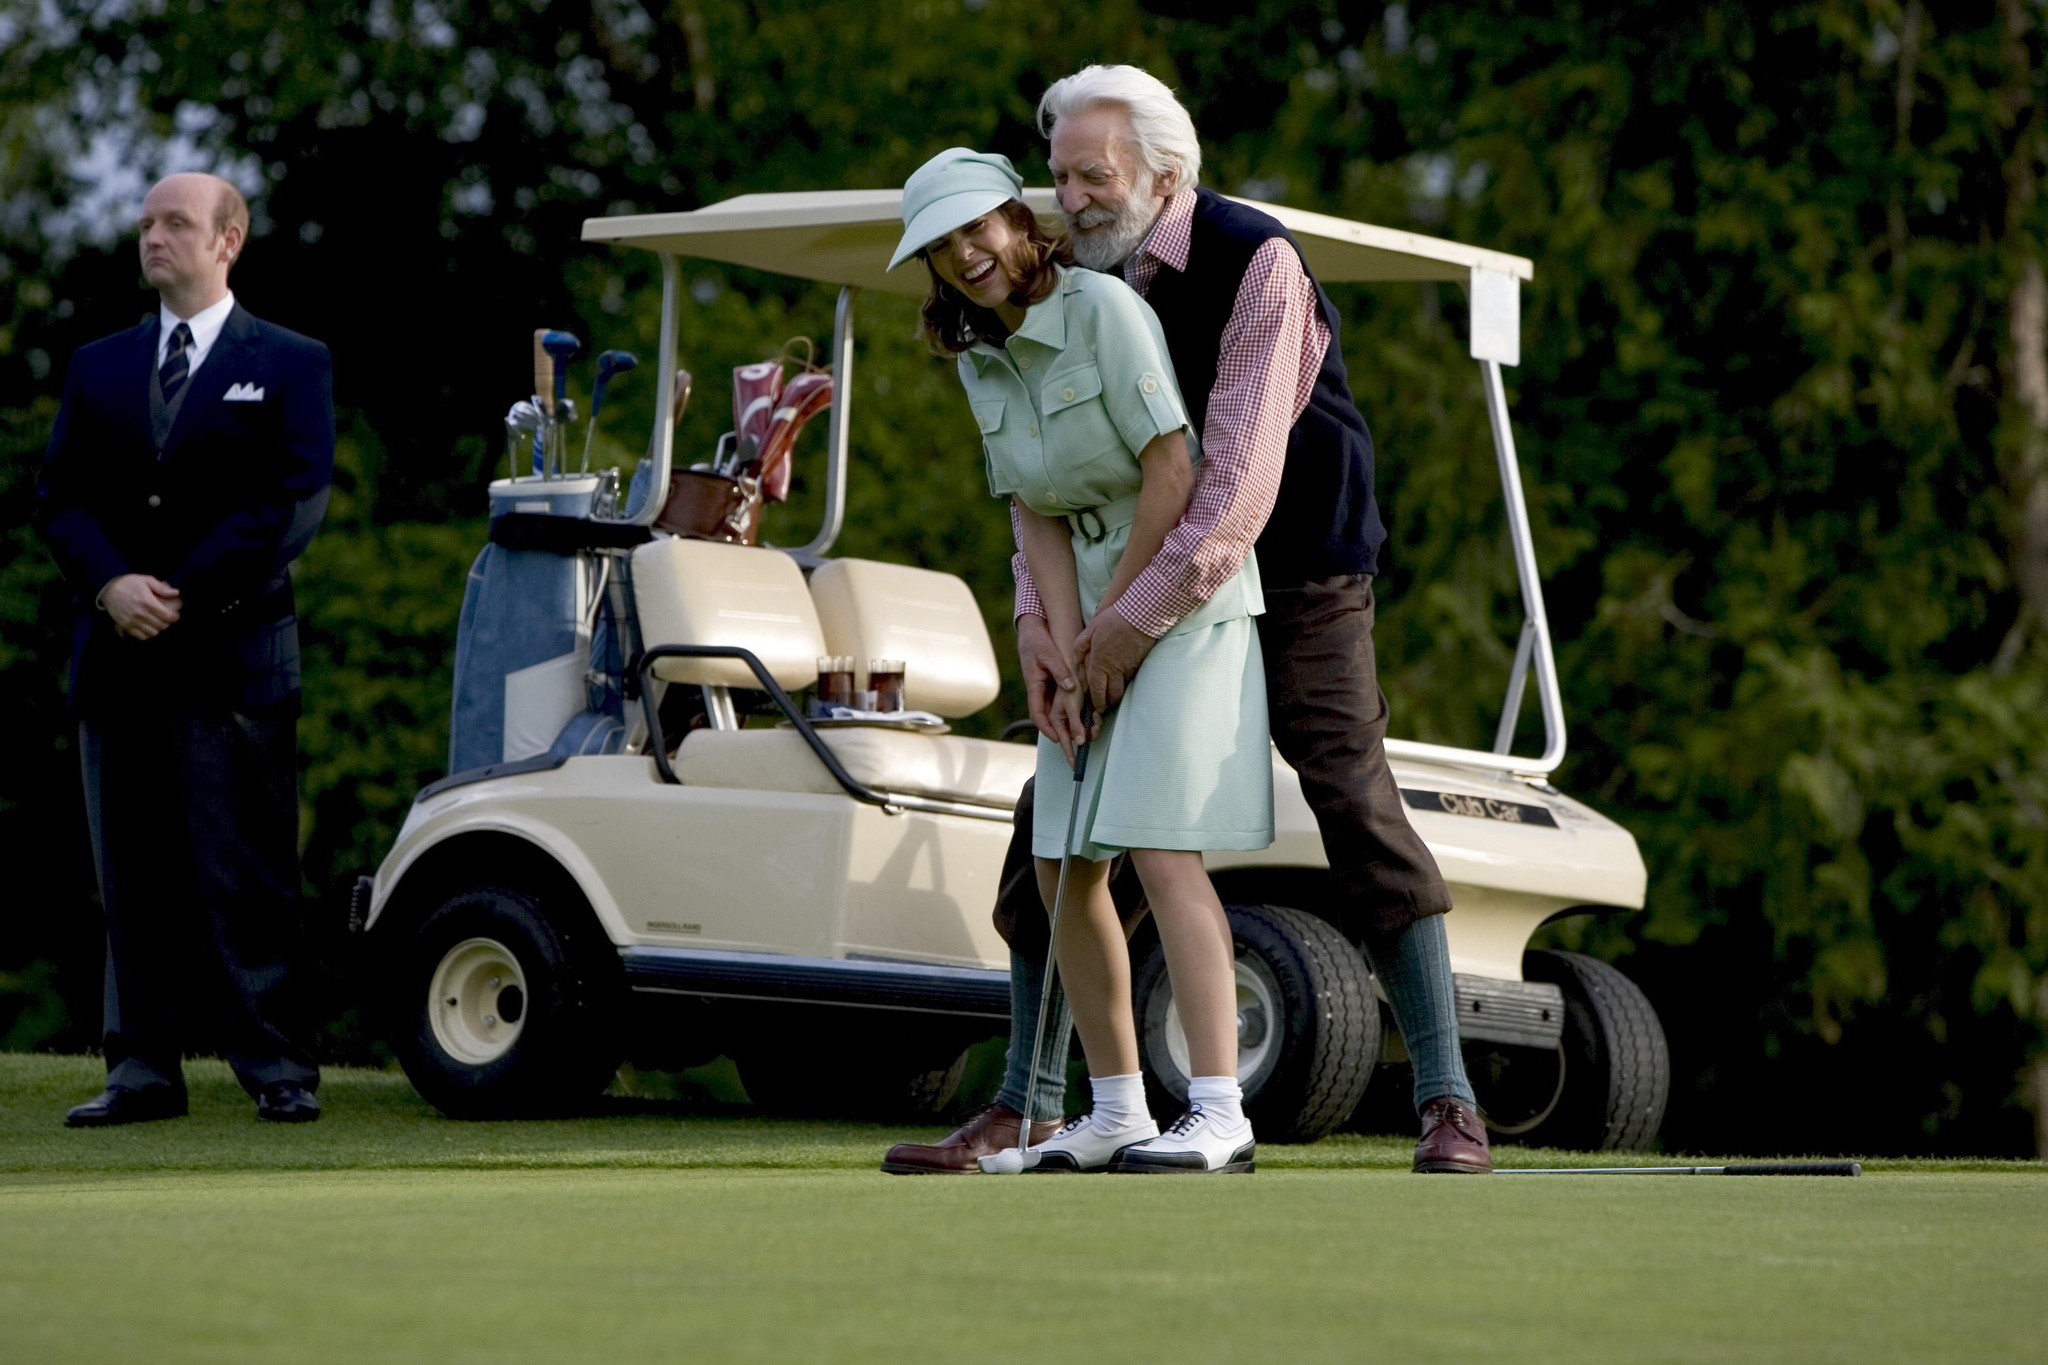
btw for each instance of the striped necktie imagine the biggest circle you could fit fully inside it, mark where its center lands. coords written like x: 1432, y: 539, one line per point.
x: 177, y: 366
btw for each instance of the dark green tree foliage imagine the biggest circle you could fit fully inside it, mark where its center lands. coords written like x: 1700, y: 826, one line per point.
x: 1783, y: 416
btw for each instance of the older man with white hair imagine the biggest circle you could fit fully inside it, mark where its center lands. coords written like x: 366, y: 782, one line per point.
x: 1287, y: 466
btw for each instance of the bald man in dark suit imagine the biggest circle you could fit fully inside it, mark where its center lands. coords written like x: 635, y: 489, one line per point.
x: 189, y: 466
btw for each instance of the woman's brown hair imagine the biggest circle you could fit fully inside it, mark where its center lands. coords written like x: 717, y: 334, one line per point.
x: 949, y: 324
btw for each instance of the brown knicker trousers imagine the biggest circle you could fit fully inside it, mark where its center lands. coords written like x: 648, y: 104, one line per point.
x: 1329, y: 720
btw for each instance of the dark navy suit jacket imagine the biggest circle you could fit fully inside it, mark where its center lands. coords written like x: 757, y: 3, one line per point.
x: 219, y: 513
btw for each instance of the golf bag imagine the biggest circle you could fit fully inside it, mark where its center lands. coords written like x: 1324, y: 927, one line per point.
x: 539, y: 659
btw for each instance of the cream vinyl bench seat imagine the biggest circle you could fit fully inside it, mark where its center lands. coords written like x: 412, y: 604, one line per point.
x: 692, y: 592
x: 973, y: 772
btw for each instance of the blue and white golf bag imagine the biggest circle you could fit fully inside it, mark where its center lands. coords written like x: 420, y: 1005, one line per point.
x: 539, y: 657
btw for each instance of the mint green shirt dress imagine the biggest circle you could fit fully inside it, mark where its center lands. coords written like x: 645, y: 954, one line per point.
x: 1064, y: 409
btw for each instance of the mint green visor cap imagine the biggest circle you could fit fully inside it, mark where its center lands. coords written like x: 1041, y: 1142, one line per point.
x: 952, y: 190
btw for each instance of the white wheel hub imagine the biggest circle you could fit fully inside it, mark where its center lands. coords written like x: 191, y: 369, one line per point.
x: 477, y: 1001
x: 1258, y: 1023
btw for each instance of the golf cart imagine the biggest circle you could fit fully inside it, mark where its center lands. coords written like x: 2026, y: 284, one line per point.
x: 647, y: 847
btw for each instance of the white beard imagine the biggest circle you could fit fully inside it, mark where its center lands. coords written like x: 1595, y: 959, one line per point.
x: 1111, y: 235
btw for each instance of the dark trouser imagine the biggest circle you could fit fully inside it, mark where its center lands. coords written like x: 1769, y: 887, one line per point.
x: 1329, y: 721
x: 194, y: 820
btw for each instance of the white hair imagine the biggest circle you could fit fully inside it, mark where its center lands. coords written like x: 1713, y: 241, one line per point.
x: 1160, y: 127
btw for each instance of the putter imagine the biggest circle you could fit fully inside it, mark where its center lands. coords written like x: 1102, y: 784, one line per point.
x: 1010, y: 1161
x: 608, y: 364
x: 1752, y: 1168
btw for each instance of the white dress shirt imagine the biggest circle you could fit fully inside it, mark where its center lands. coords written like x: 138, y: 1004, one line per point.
x: 205, y: 325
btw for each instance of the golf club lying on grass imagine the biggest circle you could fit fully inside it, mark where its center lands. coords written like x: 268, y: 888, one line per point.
x: 1751, y: 1168
x: 1010, y: 1161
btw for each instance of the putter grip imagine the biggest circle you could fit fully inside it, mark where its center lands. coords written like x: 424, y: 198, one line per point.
x: 1795, y: 1168
x: 543, y: 373
x: 1081, y: 749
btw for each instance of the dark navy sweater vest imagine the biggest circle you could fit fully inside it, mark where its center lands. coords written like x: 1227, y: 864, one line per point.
x: 1325, y: 522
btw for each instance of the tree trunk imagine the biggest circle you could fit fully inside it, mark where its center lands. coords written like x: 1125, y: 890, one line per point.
x: 2024, y: 364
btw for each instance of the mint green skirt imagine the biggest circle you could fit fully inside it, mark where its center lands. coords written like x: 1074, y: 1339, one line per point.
x: 1184, y: 761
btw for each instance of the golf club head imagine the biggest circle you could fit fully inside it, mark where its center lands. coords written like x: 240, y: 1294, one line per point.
x: 552, y: 351
x: 523, y: 416
x: 609, y: 364
x: 1009, y: 1161
x: 563, y: 346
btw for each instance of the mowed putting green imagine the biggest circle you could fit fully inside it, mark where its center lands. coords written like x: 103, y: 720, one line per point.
x: 653, y: 1232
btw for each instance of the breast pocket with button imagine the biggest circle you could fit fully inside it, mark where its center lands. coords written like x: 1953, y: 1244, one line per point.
x: 1078, y: 429
x: 1003, y: 476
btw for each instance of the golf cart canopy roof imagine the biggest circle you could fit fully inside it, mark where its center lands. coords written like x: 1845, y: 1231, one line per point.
x: 844, y: 237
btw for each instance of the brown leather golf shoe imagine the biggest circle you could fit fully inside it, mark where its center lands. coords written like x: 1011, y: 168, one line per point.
x: 1453, y: 1140
x: 993, y: 1129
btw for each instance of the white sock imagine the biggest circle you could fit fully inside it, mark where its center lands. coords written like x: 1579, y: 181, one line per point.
x: 1119, y: 1101
x: 1220, y: 1097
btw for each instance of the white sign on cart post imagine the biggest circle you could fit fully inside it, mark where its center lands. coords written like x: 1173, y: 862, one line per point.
x: 1496, y: 316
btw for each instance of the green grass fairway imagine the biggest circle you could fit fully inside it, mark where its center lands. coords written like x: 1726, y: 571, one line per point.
x: 385, y: 1233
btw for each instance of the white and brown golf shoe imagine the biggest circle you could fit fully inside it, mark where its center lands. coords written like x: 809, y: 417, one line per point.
x: 1198, y: 1143
x: 1081, y: 1146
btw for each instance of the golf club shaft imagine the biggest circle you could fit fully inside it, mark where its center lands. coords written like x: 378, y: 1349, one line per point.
x: 1052, y: 954
x: 1750, y: 1168
x: 543, y: 397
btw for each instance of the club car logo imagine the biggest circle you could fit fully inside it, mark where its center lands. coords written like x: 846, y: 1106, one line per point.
x: 1480, y: 807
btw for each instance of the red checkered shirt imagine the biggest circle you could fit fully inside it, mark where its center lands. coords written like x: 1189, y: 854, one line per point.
x: 1266, y: 367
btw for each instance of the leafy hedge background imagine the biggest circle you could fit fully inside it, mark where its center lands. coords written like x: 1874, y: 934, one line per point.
x: 1783, y: 415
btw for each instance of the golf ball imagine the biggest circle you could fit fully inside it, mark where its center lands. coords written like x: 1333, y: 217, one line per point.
x: 1009, y: 1161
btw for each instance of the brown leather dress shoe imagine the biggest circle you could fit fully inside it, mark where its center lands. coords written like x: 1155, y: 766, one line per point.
x: 1453, y: 1140
x: 993, y: 1129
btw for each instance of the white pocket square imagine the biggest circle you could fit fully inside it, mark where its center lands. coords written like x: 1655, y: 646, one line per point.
x: 242, y: 393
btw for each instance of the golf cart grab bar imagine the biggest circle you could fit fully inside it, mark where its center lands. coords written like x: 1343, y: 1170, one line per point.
x: 664, y: 444
x: 657, y: 745
x: 1533, y: 649
x: 842, y: 407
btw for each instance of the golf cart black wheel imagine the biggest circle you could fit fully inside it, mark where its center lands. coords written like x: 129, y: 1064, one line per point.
x: 1308, y: 1027
x: 496, y: 1012
x: 1604, y: 1089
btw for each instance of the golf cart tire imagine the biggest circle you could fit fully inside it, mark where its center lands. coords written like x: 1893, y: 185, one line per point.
x: 1617, y: 1067
x: 1326, y: 1039
x: 565, y: 1050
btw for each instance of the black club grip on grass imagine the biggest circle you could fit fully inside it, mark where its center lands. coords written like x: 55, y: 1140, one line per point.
x: 1795, y: 1168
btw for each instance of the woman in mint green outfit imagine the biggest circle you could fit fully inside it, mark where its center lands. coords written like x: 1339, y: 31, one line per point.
x: 1084, y: 430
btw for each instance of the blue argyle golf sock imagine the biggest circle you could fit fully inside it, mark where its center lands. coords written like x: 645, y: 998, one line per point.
x: 1027, y: 979
x: 1413, y: 965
